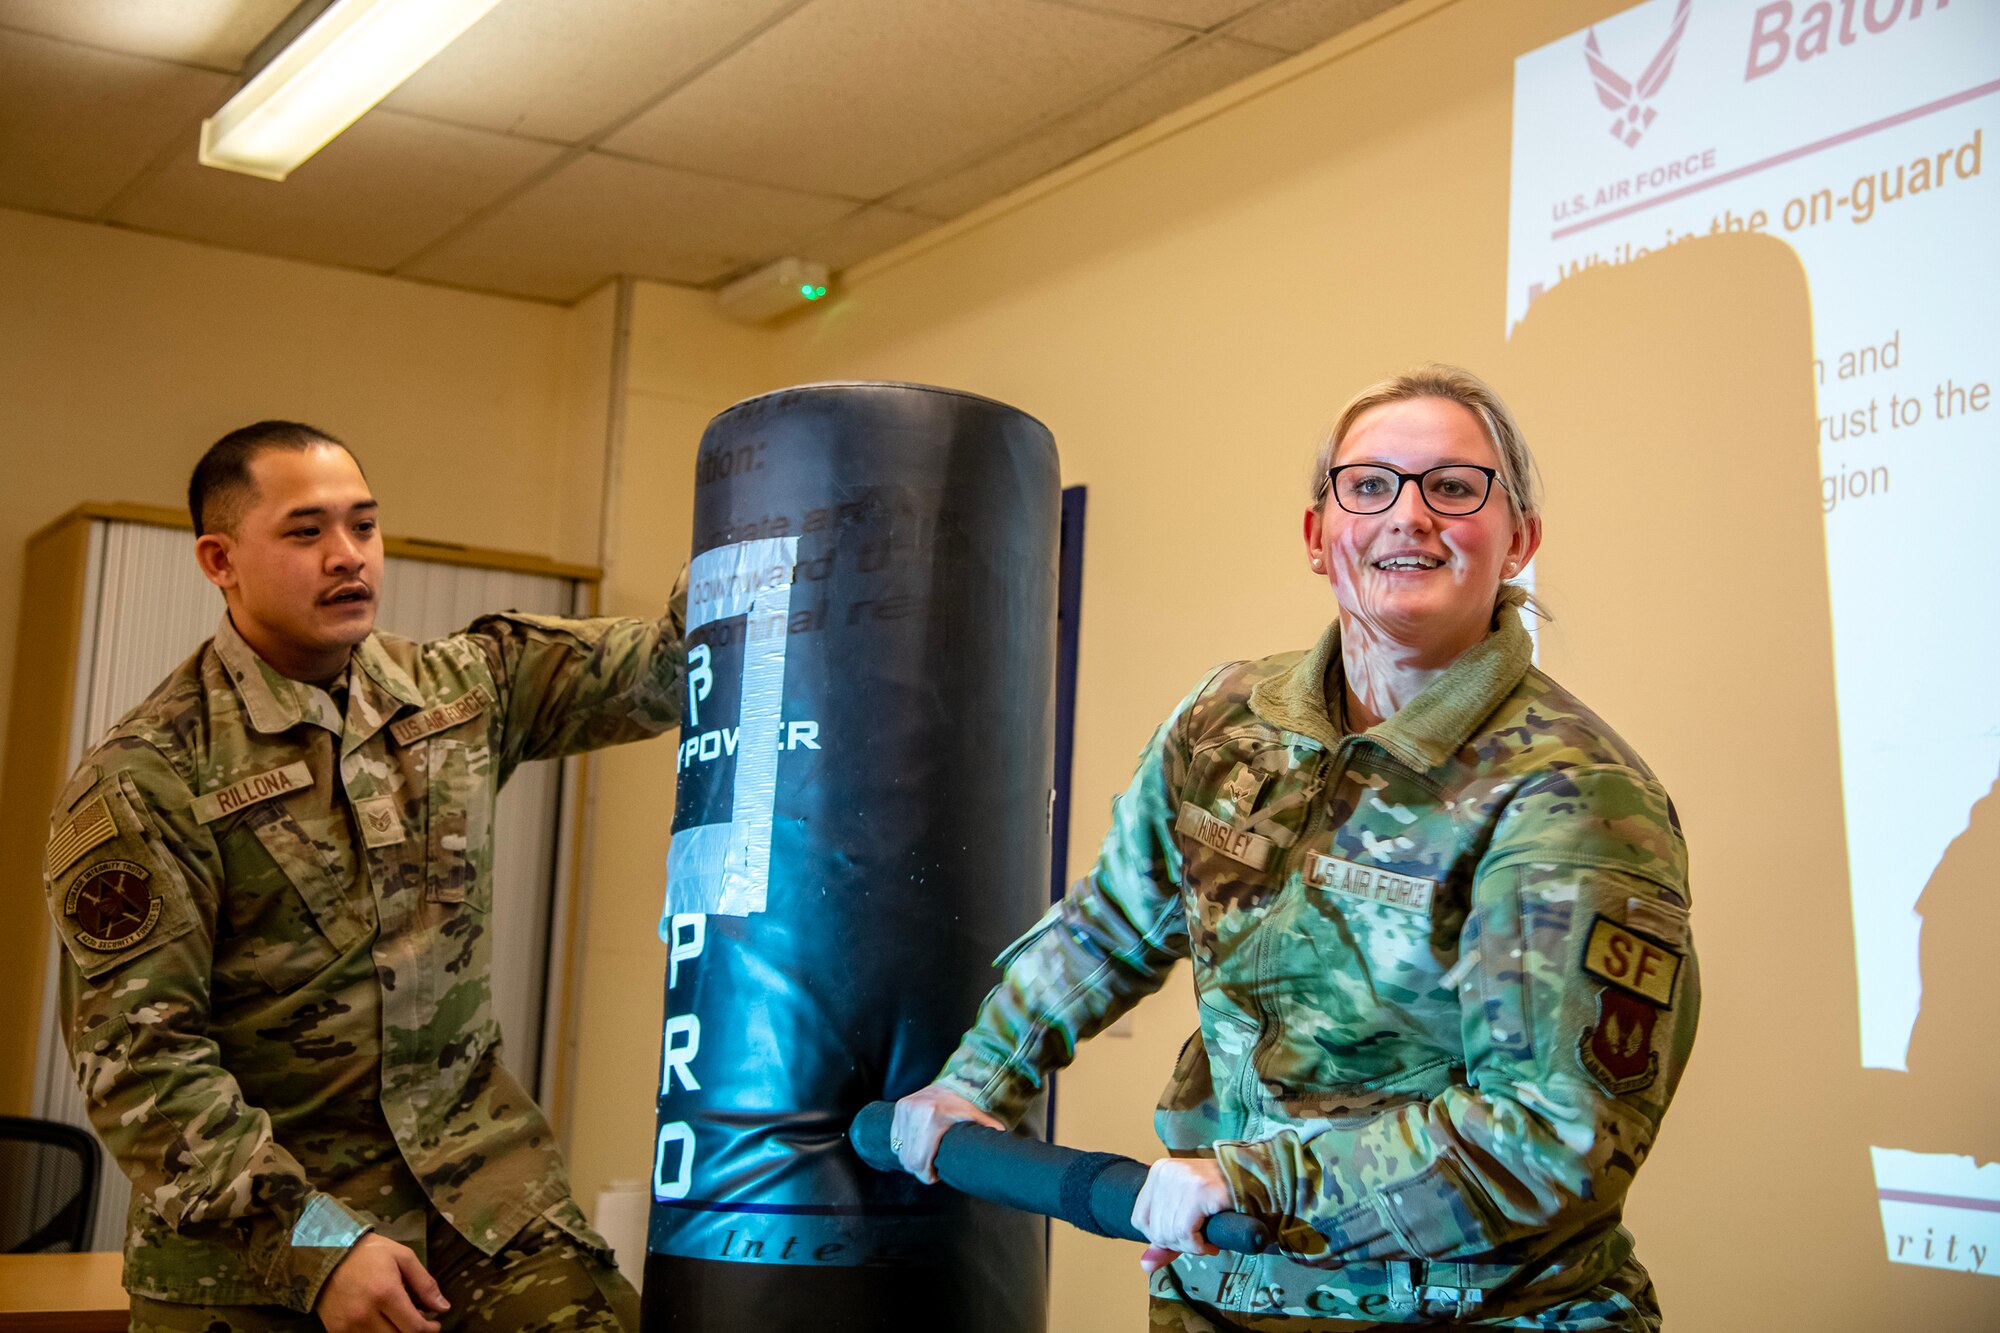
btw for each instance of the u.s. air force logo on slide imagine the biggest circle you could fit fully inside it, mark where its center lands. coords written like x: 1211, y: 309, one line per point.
x: 113, y: 905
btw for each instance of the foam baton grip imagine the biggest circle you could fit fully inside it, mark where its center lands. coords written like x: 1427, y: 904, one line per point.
x: 1092, y: 1191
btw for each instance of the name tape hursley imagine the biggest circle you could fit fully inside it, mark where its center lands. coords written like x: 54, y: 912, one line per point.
x: 1235, y: 843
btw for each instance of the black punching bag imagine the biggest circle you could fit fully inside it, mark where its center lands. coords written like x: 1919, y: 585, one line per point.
x: 861, y: 826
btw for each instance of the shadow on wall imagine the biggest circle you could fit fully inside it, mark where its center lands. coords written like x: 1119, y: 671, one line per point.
x: 1954, y: 1061
x: 1671, y: 403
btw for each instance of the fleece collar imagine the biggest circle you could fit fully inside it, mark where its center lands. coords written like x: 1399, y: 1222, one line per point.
x: 1431, y: 727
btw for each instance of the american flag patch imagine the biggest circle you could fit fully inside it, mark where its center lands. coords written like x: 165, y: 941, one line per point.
x: 79, y: 833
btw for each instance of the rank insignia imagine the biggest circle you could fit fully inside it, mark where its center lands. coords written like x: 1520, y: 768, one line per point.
x: 113, y: 905
x: 1246, y: 784
x: 1618, y: 1051
x: 381, y: 822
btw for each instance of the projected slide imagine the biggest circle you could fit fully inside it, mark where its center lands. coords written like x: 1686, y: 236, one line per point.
x: 1857, y: 132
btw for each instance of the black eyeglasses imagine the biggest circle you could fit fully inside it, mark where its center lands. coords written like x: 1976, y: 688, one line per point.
x: 1454, y: 490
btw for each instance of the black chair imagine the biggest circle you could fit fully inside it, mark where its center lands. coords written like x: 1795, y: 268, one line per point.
x: 48, y: 1186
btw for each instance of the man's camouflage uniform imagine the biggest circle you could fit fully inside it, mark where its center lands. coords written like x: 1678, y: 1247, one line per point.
x: 277, y: 970
x: 1444, y: 980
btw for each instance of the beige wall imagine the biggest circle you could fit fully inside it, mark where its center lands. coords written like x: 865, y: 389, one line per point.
x: 124, y: 356
x: 684, y: 366
x: 1186, y: 311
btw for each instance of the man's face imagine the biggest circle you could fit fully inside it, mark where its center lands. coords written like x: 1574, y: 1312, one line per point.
x: 302, y: 567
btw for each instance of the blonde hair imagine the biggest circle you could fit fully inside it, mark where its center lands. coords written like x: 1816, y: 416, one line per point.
x: 1518, y: 474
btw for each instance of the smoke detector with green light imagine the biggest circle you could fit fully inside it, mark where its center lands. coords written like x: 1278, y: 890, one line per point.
x: 774, y: 290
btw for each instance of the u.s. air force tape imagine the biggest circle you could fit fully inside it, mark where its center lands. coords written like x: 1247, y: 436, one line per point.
x: 1370, y: 883
x: 419, y: 725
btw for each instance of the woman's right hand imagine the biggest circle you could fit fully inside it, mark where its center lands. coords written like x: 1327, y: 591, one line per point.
x: 920, y: 1123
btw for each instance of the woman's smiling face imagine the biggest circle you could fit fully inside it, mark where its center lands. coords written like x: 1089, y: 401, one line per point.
x: 1423, y: 580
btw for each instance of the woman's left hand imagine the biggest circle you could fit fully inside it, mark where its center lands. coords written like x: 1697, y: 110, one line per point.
x: 1180, y: 1195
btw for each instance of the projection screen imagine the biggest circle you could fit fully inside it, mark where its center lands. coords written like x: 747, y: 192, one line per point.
x: 1854, y: 130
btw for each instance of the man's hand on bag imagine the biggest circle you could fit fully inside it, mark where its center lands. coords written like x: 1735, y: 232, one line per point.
x: 380, y: 1284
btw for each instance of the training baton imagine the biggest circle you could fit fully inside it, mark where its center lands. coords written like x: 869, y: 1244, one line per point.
x: 1092, y: 1191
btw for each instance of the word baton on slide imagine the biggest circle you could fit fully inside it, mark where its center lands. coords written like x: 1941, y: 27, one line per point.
x: 1092, y: 1191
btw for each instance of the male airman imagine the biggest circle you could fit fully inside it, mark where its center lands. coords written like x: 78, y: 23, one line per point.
x: 273, y: 882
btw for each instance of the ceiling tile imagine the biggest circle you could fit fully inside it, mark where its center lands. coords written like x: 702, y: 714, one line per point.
x: 604, y: 215
x: 77, y: 124
x: 865, y: 232
x: 860, y: 97
x: 1294, y: 25
x: 370, y: 199
x: 1182, y: 78
x: 1201, y: 14
x: 219, y: 34
x: 564, y: 69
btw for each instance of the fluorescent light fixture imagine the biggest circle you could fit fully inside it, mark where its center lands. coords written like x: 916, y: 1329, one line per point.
x: 348, y: 58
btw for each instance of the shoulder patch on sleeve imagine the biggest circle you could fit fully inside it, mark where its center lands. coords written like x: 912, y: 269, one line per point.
x: 112, y: 905
x: 86, y: 827
x: 1645, y: 967
x: 1617, y: 1050
x: 119, y: 894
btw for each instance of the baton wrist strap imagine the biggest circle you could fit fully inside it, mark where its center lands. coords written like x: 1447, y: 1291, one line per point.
x: 1073, y: 1190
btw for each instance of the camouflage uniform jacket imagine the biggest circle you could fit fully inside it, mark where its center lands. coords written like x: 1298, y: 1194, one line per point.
x: 276, y: 974
x: 1443, y: 977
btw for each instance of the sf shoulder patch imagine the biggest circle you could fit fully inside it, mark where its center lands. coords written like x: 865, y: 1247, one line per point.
x: 1645, y: 967
x: 1618, y: 1050
x: 113, y: 905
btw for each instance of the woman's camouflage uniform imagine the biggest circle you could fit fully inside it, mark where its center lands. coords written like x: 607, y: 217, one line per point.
x: 1444, y: 980
x: 277, y: 967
